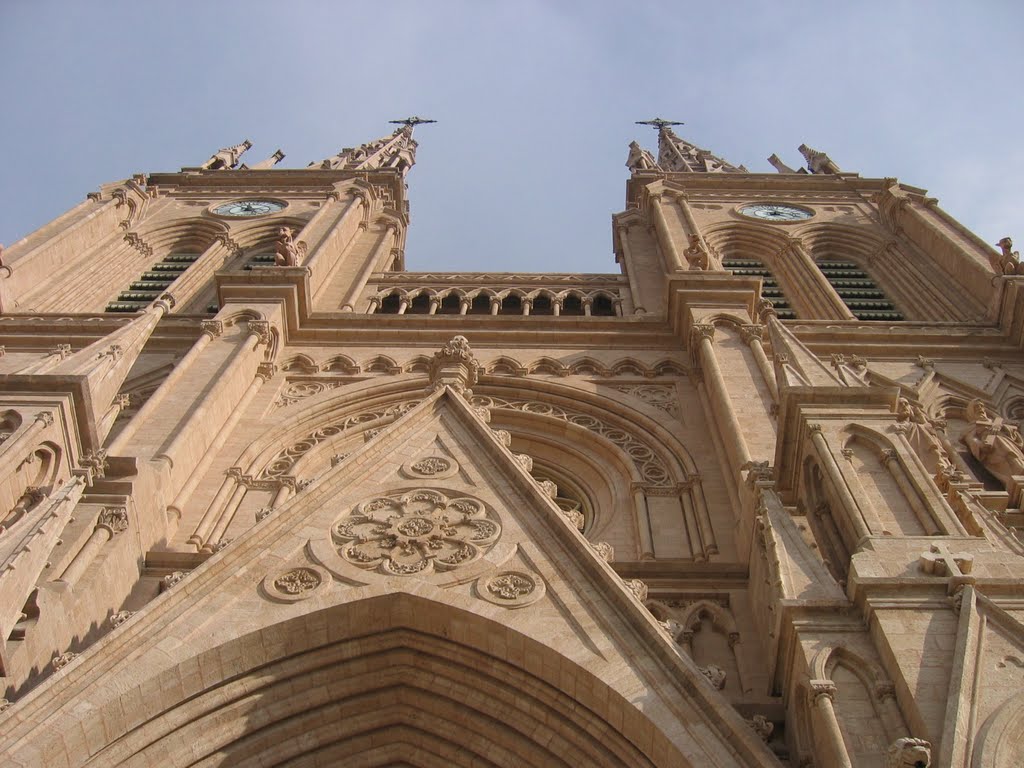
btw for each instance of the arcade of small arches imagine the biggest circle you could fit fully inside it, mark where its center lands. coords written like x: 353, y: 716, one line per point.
x: 486, y: 301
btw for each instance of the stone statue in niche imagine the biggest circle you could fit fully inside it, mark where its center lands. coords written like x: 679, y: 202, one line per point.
x: 996, y: 444
x: 287, y: 250
x: 697, y: 253
x: 640, y: 159
x: 921, y: 434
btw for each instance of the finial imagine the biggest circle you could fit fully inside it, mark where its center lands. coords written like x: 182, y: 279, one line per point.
x: 658, y: 123
x: 412, y: 122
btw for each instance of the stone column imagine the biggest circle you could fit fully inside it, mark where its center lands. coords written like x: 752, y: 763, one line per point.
x: 263, y: 374
x: 643, y: 523
x: 835, y: 475
x: 259, y: 333
x: 826, y: 725
x: 111, y: 521
x: 891, y: 461
x: 673, y: 260
x: 753, y: 336
x: 384, y: 246
x: 732, y: 434
x: 324, y: 227
x: 211, y: 329
x: 22, y: 442
x: 813, y: 289
x: 626, y: 260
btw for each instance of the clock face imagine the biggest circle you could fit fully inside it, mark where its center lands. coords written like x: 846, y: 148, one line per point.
x: 248, y: 208
x: 776, y: 212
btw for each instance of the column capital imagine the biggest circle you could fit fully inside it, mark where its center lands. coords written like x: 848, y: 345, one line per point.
x: 816, y: 689
x: 701, y: 331
x: 113, y: 519
x: 212, y: 328
x: 752, y: 332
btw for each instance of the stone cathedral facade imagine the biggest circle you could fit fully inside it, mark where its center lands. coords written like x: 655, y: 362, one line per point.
x: 752, y: 497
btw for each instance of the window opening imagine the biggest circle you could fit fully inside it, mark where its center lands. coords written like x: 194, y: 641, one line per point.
x: 152, y: 283
x: 859, y: 292
x: 770, y: 289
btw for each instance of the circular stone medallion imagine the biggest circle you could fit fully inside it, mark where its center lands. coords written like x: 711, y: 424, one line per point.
x: 294, y: 584
x: 511, y: 589
x: 433, y: 467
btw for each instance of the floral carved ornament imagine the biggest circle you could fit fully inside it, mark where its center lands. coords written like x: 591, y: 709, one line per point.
x: 416, y: 532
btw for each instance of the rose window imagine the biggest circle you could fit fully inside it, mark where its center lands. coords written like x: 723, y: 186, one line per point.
x: 415, y: 532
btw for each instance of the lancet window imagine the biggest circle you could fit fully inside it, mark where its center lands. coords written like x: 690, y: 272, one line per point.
x: 770, y: 289
x: 858, y: 290
x: 153, y: 282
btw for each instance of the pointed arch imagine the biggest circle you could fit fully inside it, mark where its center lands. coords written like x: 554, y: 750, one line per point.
x: 629, y: 366
x: 300, y: 363
x: 418, y: 364
x: 341, y: 364
x: 381, y: 364
x: 547, y: 366
x: 379, y: 676
x: 506, y: 366
x: 588, y: 366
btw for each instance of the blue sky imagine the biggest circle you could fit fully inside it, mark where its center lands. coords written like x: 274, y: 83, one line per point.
x: 535, y: 103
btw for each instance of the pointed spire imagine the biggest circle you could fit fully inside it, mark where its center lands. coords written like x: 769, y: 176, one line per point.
x: 676, y: 154
x: 262, y: 165
x: 226, y: 158
x: 818, y: 162
x: 397, y: 150
x: 100, y: 369
x: 640, y: 159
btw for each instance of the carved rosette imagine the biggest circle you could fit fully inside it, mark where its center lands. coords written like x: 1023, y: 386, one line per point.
x: 296, y: 583
x: 417, y: 532
x: 432, y: 467
x: 511, y: 589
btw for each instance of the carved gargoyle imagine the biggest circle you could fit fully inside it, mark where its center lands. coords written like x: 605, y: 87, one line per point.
x: 288, y: 252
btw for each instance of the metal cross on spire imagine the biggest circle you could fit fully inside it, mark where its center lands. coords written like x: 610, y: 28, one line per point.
x: 658, y: 123
x: 412, y: 122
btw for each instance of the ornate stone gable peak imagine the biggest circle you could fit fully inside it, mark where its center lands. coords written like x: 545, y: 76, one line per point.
x: 676, y: 154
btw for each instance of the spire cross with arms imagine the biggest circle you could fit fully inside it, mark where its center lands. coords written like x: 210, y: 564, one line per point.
x: 412, y: 122
x: 658, y: 123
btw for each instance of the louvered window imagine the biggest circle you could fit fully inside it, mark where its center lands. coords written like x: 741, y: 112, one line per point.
x: 769, y: 285
x: 858, y: 290
x: 157, y: 279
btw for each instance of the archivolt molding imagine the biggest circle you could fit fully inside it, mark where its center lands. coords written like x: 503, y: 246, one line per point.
x: 390, y: 681
x: 282, y: 464
x: 649, y: 465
